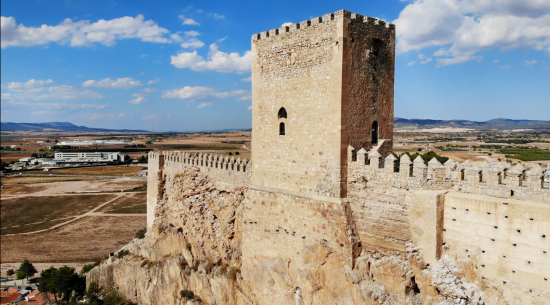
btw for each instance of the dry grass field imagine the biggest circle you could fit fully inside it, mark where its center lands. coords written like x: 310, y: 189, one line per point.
x: 133, y: 203
x: 20, y: 189
x: 28, y: 214
x: 81, y: 241
x: 96, y: 171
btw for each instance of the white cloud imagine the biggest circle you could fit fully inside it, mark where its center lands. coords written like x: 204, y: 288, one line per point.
x: 32, y: 83
x: 201, y: 93
x: 287, y: 24
x: 148, y: 90
x: 248, y: 79
x: 82, y: 33
x: 496, y: 60
x: 217, y: 61
x: 53, y: 108
x: 138, y: 100
x: 250, y: 107
x: 463, y: 28
x: 120, y: 83
x: 202, y: 105
x: 187, y: 21
x: 152, y: 117
x: 62, y: 92
x: 142, y: 56
x: 426, y: 61
x: 216, y: 16
x: 421, y: 56
x: 153, y: 81
x: 192, y: 33
x: 530, y: 62
x: 411, y: 63
x: 97, y: 116
x: 504, y: 67
x: 192, y: 43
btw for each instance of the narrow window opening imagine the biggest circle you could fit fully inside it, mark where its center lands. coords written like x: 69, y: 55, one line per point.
x: 354, y: 155
x: 282, y: 113
x: 282, y: 129
x: 375, y: 132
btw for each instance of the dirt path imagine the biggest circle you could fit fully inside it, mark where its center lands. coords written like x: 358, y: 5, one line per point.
x: 78, y: 217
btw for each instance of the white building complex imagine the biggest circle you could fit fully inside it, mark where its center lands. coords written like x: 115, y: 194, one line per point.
x: 77, y: 142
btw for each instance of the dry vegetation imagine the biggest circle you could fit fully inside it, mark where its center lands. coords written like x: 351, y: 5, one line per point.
x: 135, y: 203
x: 96, y: 171
x: 81, y: 241
x: 26, y: 214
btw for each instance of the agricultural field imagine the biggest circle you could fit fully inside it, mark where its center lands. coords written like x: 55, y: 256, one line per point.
x: 24, y: 214
x: 75, y: 227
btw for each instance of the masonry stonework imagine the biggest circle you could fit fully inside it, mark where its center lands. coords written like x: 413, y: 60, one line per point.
x: 326, y: 215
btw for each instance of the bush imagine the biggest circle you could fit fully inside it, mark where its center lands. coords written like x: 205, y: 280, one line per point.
x: 88, y: 267
x: 233, y: 272
x: 140, y: 234
x: 223, y: 270
x: 123, y: 253
x: 209, y: 266
x: 183, y: 264
x: 187, y: 294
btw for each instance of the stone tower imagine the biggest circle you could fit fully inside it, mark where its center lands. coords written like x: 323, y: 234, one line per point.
x: 320, y: 86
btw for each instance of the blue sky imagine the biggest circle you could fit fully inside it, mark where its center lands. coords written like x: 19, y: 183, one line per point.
x: 185, y: 65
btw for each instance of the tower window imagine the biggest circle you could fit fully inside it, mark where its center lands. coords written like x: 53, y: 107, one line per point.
x: 282, y: 113
x: 374, y: 132
x: 282, y: 129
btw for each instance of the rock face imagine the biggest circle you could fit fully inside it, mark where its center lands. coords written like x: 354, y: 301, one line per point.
x: 197, y: 243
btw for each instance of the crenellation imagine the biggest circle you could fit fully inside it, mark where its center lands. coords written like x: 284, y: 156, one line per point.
x: 357, y: 17
x: 497, y: 179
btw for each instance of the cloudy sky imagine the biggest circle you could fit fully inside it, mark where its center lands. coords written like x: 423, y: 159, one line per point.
x: 185, y: 65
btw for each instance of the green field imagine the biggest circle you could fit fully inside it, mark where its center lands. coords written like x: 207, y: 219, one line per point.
x: 526, y: 154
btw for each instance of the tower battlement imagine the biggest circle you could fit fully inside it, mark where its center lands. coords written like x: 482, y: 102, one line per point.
x: 354, y: 17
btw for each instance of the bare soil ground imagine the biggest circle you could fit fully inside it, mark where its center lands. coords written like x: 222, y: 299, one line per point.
x: 45, y: 179
x: 19, y: 215
x: 129, y: 204
x: 96, y: 171
x: 19, y: 189
x: 81, y: 241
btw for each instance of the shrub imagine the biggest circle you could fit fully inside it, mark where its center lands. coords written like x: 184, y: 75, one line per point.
x: 209, y: 266
x: 233, y: 272
x: 140, y: 234
x: 187, y: 294
x: 223, y: 270
x: 89, y: 267
x: 123, y: 253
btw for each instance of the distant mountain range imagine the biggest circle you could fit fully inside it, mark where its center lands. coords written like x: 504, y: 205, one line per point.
x: 399, y: 123
x: 495, y: 124
x: 57, y: 126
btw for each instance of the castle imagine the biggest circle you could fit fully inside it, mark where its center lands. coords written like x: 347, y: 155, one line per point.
x: 326, y: 212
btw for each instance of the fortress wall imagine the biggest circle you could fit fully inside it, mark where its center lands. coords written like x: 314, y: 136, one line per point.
x: 295, y: 236
x: 164, y: 166
x: 510, y: 237
x: 299, y: 68
x: 369, y: 80
x: 154, y: 177
x: 498, y: 179
x: 380, y: 216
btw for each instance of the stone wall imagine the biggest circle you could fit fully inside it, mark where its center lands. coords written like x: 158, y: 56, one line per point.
x: 334, y: 76
x: 509, y: 238
x: 165, y: 167
x: 498, y: 179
